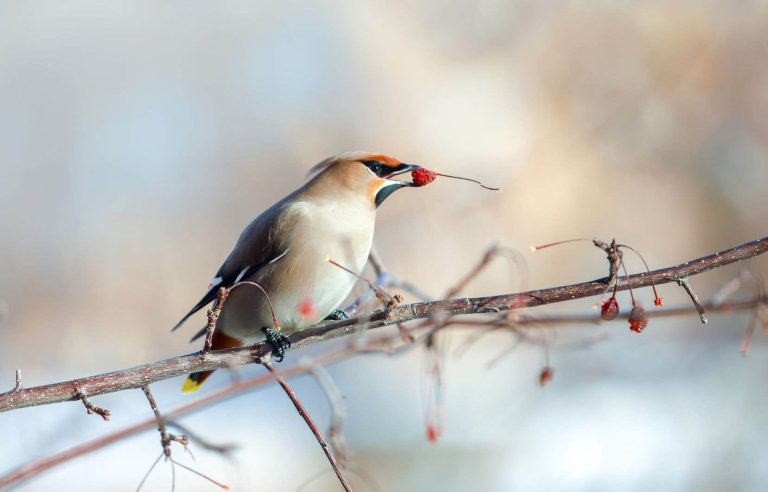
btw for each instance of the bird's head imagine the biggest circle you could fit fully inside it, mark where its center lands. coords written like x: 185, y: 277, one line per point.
x: 365, y: 174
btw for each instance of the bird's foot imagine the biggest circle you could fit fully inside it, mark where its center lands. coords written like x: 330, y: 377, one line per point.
x: 279, y: 342
x: 337, y: 315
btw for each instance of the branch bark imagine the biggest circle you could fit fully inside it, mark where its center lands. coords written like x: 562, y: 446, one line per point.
x: 140, y: 376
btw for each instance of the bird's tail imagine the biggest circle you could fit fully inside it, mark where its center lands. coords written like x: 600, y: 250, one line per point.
x: 194, y: 381
x: 220, y: 341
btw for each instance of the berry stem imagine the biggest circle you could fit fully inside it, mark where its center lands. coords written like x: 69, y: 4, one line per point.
x: 269, y: 301
x: 468, y: 179
x: 629, y: 282
x: 557, y: 243
x: 656, y: 299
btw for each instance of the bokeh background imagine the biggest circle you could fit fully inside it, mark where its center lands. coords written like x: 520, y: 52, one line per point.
x: 138, y: 138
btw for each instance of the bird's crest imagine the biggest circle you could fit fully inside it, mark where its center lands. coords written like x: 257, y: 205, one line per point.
x: 357, y: 155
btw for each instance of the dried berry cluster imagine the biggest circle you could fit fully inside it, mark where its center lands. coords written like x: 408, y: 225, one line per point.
x: 609, y: 309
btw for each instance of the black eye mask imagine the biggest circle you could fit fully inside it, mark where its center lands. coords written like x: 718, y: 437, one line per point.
x: 377, y: 168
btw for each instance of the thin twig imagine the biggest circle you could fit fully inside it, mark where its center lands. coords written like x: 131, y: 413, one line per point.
x: 18, y: 380
x: 89, y: 406
x: 760, y: 313
x: 202, y: 475
x: 223, y: 449
x: 629, y: 283
x: 432, y: 386
x: 685, y: 284
x: 614, y: 256
x: 149, y: 472
x: 657, y: 301
x: 745, y: 276
x: 389, y: 301
x: 213, y: 316
x: 490, y: 254
x: 375, y: 260
x: 310, y: 423
x: 338, y: 413
x: 487, y: 257
x: 165, y: 437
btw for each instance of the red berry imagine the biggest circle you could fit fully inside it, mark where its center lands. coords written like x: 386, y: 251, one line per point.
x: 658, y: 302
x: 433, y: 433
x: 610, y: 309
x: 637, y: 319
x: 546, y: 376
x: 422, y: 177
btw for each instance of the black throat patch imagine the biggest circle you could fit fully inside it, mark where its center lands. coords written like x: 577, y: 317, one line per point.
x: 385, y: 192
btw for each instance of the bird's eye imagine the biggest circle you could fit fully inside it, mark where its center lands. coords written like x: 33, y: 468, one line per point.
x: 376, y: 167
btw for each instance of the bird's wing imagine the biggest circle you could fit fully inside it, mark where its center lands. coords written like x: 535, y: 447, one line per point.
x: 262, y: 242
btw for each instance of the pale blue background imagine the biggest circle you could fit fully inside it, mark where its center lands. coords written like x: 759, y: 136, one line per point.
x: 137, y: 139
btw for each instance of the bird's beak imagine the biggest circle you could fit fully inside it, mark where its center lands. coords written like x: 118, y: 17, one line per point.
x: 392, y: 185
x: 402, y: 169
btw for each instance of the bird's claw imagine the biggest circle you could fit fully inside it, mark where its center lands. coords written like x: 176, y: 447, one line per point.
x: 337, y: 315
x: 279, y: 342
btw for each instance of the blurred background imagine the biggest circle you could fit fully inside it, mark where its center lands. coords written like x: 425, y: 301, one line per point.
x: 138, y: 138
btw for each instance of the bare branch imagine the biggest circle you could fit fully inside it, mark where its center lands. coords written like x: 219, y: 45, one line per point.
x: 760, y: 312
x: 142, y: 375
x: 223, y: 449
x: 213, y: 316
x: 489, y: 255
x: 385, y: 278
x: 685, y: 284
x: 379, y: 344
x: 375, y: 260
x: 89, y: 406
x: 382, y: 295
x: 310, y: 423
x: 338, y: 412
x: 166, y: 438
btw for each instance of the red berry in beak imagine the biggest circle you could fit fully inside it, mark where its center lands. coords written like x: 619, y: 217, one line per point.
x: 422, y: 177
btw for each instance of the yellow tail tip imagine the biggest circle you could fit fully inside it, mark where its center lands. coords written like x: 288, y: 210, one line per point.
x: 190, y: 386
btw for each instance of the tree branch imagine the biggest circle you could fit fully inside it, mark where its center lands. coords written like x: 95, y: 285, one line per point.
x: 311, y: 424
x: 140, y: 376
x: 239, y: 387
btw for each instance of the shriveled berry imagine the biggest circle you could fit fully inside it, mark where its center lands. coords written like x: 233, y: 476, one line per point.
x: 637, y: 319
x: 546, y: 376
x: 433, y: 433
x: 610, y: 309
x: 422, y: 177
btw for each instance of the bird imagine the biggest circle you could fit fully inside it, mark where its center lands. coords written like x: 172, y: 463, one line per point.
x: 286, y: 249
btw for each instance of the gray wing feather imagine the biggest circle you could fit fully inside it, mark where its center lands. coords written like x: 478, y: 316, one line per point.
x: 263, y: 241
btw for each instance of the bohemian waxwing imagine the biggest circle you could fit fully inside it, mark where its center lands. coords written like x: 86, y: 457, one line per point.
x: 286, y: 248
